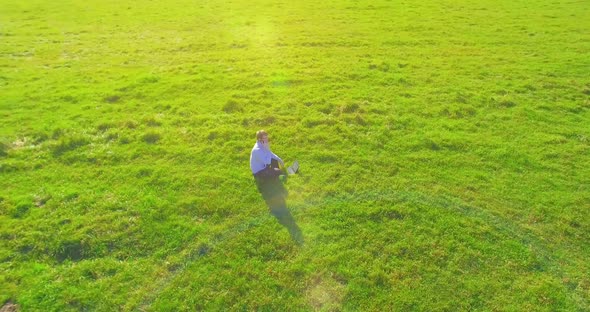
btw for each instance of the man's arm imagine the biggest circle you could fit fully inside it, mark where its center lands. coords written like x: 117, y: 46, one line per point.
x: 278, y: 158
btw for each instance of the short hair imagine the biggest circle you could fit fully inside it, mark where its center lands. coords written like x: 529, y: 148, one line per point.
x: 260, y: 134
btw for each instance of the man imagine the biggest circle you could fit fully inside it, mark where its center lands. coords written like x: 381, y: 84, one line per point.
x: 261, y: 157
x: 265, y: 168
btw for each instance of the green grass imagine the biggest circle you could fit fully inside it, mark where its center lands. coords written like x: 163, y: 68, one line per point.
x: 444, y: 150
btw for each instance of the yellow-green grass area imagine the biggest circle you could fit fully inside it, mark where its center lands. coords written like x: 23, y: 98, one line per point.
x: 444, y: 150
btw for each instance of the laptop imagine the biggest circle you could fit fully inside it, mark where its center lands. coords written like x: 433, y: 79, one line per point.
x: 293, y: 168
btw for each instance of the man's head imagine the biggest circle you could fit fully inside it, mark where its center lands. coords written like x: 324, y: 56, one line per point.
x: 262, y: 137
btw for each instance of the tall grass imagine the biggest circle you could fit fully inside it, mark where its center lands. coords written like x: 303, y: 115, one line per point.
x: 443, y: 149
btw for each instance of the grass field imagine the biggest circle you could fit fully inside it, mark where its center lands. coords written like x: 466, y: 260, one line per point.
x: 444, y: 150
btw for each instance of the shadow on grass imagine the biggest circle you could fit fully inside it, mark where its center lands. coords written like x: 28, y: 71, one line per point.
x: 278, y: 208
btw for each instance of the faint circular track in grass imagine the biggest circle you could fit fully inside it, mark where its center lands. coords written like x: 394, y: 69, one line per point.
x: 318, y: 294
x: 544, y: 258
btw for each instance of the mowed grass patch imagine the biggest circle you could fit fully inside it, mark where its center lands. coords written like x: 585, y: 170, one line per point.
x: 443, y: 149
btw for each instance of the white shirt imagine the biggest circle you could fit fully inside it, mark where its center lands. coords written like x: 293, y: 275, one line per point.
x: 261, y: 157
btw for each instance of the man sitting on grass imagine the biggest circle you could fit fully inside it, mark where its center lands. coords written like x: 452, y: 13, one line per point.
x: 265, y: 167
